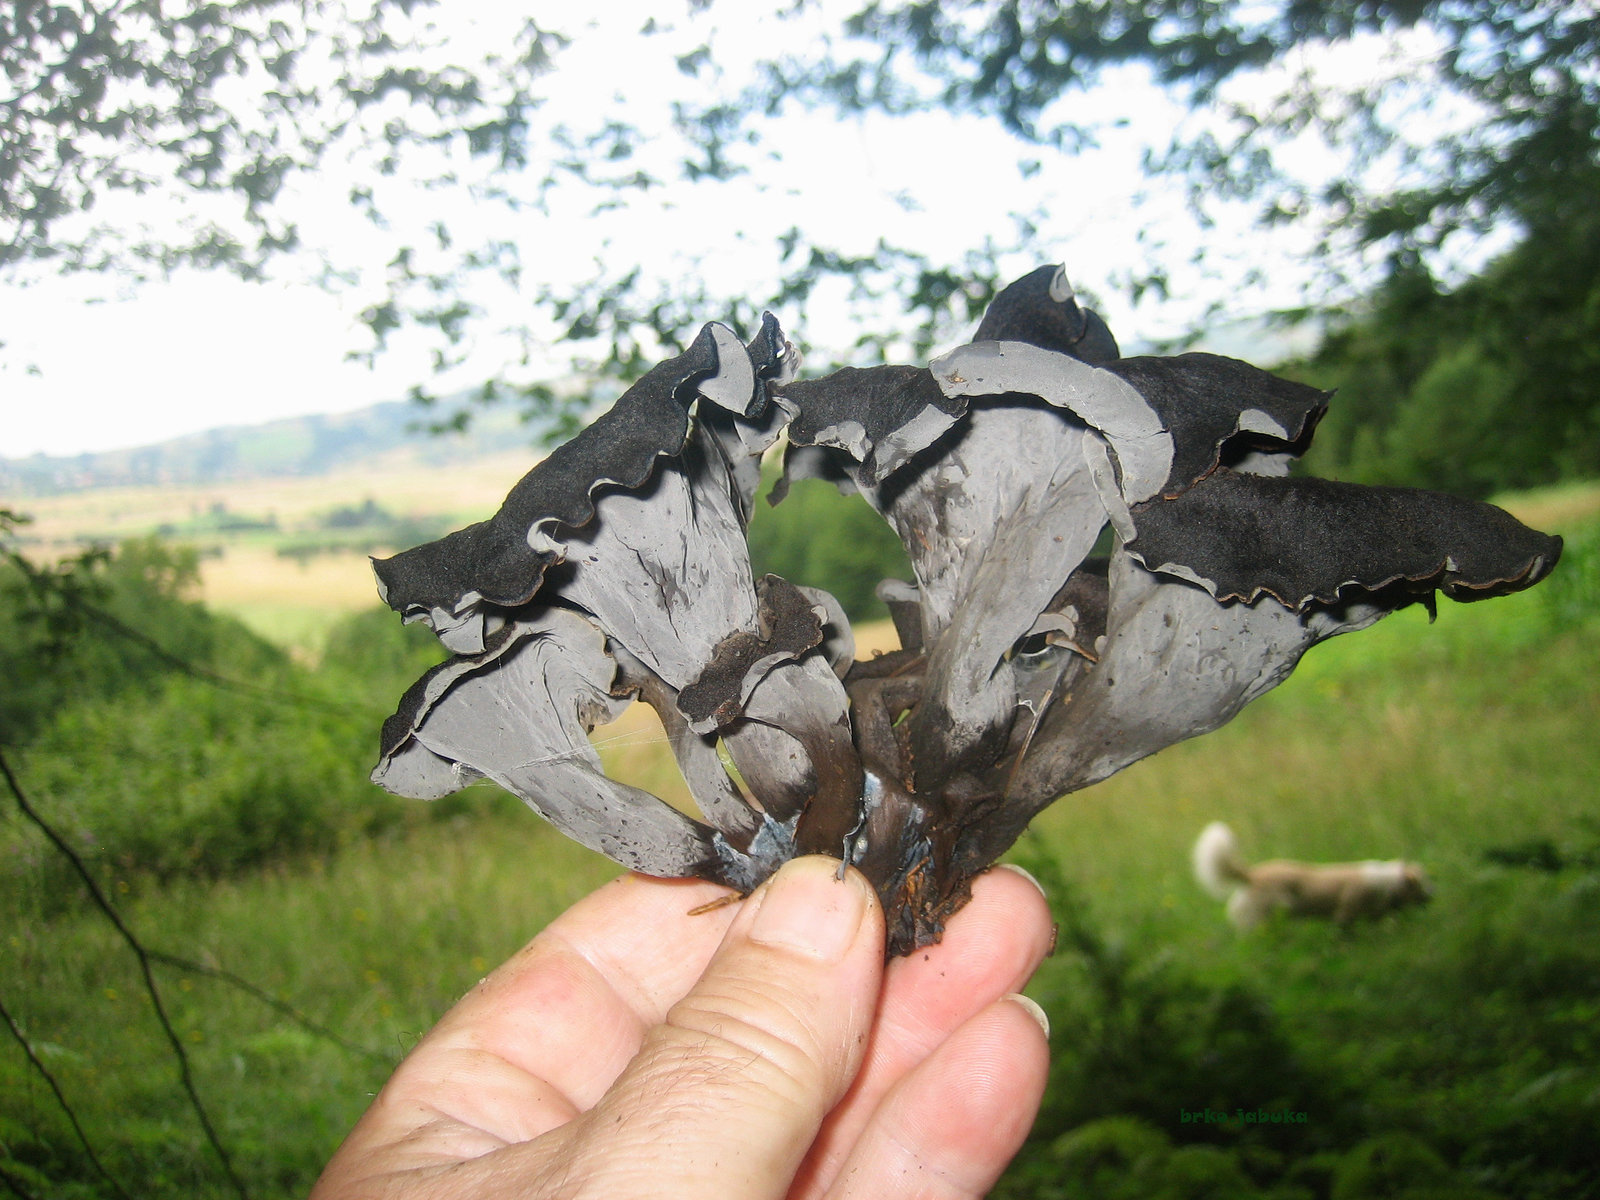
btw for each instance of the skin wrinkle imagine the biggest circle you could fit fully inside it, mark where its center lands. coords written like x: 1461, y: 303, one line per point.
x: 639, y: 999
x: 616, y: 970
x: 631, y: 523
x: 604, y: 977
x: 941, y: 991
x: 697, y: 1072
x: 541, y: 1169
x: 791, y: 1058
x: 480, y: 1074
x: 731, y: 1144
x: 932, y: 1141
x: 696, y: 1048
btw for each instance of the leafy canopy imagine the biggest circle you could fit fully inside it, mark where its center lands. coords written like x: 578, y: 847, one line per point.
x: 143, y: 135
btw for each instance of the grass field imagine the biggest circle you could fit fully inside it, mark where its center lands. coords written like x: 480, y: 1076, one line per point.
x: 285, y: 599
x: 461, y: 490
x: 1450, y: 1051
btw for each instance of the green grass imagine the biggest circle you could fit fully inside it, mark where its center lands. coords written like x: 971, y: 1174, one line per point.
x: 1471, y: 1027
x: 299, y: 628
x: 376, y: 943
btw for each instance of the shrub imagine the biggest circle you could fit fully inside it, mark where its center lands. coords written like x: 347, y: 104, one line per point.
x: 372, y: 650
x: 1388, y: 1165
x: 195, y: 780
x: 108, y: 624
x: 819, y: 538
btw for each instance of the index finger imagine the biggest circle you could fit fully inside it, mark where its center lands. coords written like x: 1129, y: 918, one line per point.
x: 541, y: 1039
x: 571, y: 1006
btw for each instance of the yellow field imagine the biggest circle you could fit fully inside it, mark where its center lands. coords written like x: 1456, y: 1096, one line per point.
x: 291, y: 601
x: 287, y: 600
x: 1554, y: 508
x: 466, y: 491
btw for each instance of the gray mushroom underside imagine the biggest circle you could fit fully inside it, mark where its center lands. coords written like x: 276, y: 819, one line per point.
x: 793, y: 743
x: 521, y: 719
x: 493, y: 558
x: 664, y: 568
x: 715, y: 794
x: 742, y: 441
x: 994, y: 527
x: 421, y: 696
x: 1308, y: 540
x: 790, y: 625
x: 838, y: 645
x: 1141, y: 442
x: 1176, y: 664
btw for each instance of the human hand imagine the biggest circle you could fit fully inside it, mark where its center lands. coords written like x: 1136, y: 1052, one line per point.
x: 757, y: 1050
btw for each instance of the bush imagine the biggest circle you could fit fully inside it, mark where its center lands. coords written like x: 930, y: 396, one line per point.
x: 199, y: 781
x: 818, y: 538
x: 109, y: 624
x: 1150, y: 1041
x: 1391, y: 1164
x: 1113, y: 1157
x: 374, y: 651
x: 1123, y: 1158
x: 244, y: 760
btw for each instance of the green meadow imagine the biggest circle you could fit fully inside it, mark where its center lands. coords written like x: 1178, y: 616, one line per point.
x: 1447, y: 1051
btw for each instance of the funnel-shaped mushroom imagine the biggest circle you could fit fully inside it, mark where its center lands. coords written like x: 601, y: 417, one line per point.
x: 1031, y: 666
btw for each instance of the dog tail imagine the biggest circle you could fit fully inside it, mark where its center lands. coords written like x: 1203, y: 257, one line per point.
x: 1217, y: 864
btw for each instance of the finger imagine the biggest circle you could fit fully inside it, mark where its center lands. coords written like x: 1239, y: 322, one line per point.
x: 646, y: 939
x: 949, y: 1128
x: 572, y: 1007
x: 991, y: 948
x: 546, y: 1034
x: 737, y: 1079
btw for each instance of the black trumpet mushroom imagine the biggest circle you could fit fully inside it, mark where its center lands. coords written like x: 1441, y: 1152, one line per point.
x: 617, y: 570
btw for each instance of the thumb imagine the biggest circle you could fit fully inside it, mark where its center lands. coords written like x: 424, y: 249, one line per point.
x: 726, y: 1095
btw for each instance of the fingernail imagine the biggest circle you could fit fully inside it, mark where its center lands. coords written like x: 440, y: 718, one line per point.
x: 1032, y: 1009
x: 1026, y: 874
x: 807, y: 907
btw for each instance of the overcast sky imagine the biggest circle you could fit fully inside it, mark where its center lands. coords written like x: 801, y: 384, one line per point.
x: 88, y: 367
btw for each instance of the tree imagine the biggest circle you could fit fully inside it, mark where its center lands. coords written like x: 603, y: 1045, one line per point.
x: 102, y: 624
x: 435, y: 164
x: 228, y: 101
x: 1442, y: 116
x: 1480, y: 388
x: 1376, y: 131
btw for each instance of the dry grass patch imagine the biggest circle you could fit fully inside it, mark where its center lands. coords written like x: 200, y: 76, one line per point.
x: 463, y: 491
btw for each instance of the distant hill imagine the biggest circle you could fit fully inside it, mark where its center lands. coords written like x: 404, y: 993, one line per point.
x: 395, y: 434
x: 390, y: 433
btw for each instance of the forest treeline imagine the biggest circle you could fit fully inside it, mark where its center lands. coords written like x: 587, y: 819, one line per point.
x: 1489, y: 386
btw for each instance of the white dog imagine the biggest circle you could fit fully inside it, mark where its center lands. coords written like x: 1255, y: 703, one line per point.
x: 1342, y: 892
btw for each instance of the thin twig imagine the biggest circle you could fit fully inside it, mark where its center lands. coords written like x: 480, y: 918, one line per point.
x: 271, y: 1001
x: 185, y: 1073
x: 15, y: 1188
x: 204, y: 674
x: 61, y: 1100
